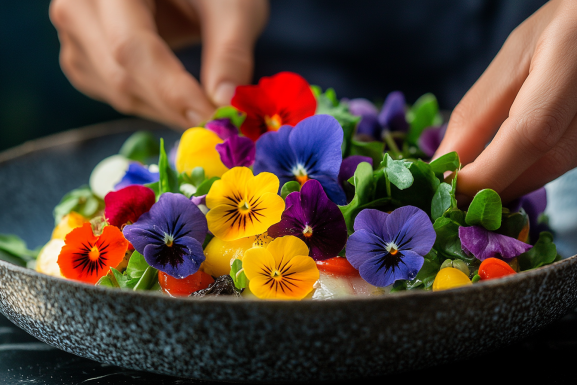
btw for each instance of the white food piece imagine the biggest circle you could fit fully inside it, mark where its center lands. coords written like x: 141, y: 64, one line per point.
x: 47, y: 262
x: 107, y: 174
x: 330, y: 286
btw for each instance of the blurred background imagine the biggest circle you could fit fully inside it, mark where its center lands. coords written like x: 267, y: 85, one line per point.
x: 362, y: 49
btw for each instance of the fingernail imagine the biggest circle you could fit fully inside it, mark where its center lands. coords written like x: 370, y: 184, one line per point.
x: 193, y: 118
x: 223, y: 94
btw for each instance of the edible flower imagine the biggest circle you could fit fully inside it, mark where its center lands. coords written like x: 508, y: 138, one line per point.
x: 126, y: 205
x: 222, y: 127
x: 311, y: 150
x: 170, y: 235
x: 389, y: 247
x: 137, y: 174
x: 283, y: 99
x: 242, y: 204
x: 68, y: 223
x: 392, y: 116
x: 534, y: 205
x: 87, y: 257
x: 197, y: 149
x: 483, y: 244
x: 431, y: 139
x: 349, y: 166
x: 282, y: 270
x: 236, y: 151
x: 313, y: 218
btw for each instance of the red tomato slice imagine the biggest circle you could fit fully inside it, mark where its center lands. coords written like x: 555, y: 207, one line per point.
x: 337, y: 266
x: 186, y: 286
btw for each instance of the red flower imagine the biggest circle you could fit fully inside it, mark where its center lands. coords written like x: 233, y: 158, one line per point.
x: 126, y: 205
x: 285, y: 98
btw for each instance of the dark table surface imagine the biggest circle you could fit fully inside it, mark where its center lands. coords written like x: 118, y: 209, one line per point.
x: 548, y: 357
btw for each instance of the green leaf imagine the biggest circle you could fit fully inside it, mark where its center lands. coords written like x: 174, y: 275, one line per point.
x: 364, y: 192
x: 106, y: 281
x: 289, y: 187
x: 513, y: 223
x: 426, y: 276
x: 397, y: 172
x: 205, y: 186
x: 168, y: 177
x: 421, y: 192
x: 236, y: 117
x: 197, y: 176
x: 137, y: 265
x: 154, y: 187
x: 447, y: 162
x: 543, y: 253
x: 456, y: 215
x: 123, y: 280
x: 441, y: 200
x: 148, y: 279
x: 476, y: 278
x: 448, y: 243
x: 80, y: 200
x: 373, y: 150
x: 237, y: 275
x: 140, y: 146
x: 422, y: 114
x: 485, y: 210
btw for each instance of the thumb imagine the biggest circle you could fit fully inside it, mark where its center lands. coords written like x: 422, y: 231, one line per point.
x: 229, y: 32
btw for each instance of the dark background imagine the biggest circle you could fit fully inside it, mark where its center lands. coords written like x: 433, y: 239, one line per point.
x: 361, y: 48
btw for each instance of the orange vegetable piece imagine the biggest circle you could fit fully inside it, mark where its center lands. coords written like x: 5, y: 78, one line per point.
x: 492, y: 268
x: 186, y: 286
x: 337, y: 266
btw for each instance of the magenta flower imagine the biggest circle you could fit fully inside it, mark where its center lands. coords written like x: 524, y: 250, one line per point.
x: 389, y: 247
x: 483, y: 244
x: 236, y: 151
x: 222, y: 127
x: 431, y: 139
x: 314, y: 218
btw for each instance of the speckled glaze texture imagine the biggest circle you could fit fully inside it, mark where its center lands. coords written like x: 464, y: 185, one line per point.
x: 241, y: 340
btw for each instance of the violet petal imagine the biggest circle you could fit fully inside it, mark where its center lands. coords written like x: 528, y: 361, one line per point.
x: 369, y: 123
x: 393, y: 115
x: 236, y: 151
x: 431, y: 139
x: 483, y: 244
x: 222, y: 127
x: 349, y: 166
x: 372, y: 270
x: 137, y: 174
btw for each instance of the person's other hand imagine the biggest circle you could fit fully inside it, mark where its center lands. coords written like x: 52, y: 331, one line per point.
x: 120, y: 52
x: 528, y: 96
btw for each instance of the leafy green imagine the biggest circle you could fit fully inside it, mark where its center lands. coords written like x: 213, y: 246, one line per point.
x: 421, y: 192
x: 373, y: 150
x: 441, y: 200
x: 80, y: 200
x: 168, y: 177
x: 427, y: 274
x: 513, y: 223
x: 236, y: 117
x: 107, y: 282
x: 364, y: 190
x: 397, y: 172
x: 289, y: 187
x: 205, y: 186
x: 137, y: 276
x: 448, y: 243
x: 140, y: 146
x: 447, y: 162
x: 148, y: 279
x: 14, y: 250
x: 424, y: 113
x: 155, y: 186
x: 485, y: 210
x: 543, y: 253
x: 123, y: 280
x: 137, y: 265
x: 237, y: 275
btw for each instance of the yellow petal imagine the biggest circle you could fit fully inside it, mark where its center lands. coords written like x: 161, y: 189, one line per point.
x: 298, y: 277
x: 232, y: 184
x: 221, y: 254
x: 285, y: 248
x: 197, y: 149
x: 68, y: 223
x: 265, y: 182
x: 257, y: 262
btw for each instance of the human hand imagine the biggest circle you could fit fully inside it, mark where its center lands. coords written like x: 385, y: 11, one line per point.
x: 120, y: 52
x: 528, y: 96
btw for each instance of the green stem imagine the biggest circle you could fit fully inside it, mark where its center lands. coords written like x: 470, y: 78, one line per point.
x: 390, y: 141
x: 388, y: 186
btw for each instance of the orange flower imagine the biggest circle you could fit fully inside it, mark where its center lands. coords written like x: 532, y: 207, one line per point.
x: 86, y: 257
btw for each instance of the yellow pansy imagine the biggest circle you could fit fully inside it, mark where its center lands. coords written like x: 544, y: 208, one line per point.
x: 282, y: 270
x: 68, y: 223
x: 197, y: 148
x: 242, y: 204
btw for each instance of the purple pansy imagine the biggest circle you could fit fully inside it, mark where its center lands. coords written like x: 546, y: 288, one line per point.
x: 310, y: 150
x: 389, y: 247
x: 349, y: 166
x: 431, y: 139
x: 483, y: 244
x: 369, y: 123
x: 222, y: 127
x: 392, y: 116
x: 170, y: 235
x: 312, y: 217
x: 137, y: 174
x: 236, y: 151
x: 534, y: 205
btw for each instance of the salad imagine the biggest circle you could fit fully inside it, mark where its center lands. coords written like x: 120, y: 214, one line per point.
x: 291, y: 193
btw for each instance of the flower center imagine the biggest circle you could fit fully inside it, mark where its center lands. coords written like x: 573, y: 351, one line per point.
x: 276, y: 274
x: 392, y: 248
x: 273, y: 123
x: 94, y: 253
x: 301, y: 174
x: 168, y: 239
x: 244, y: 207
x: 308, y: 231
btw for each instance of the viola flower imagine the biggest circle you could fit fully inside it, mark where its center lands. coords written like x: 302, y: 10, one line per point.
x: 222, y: 127
x: 236, y: 151
x: 86, y: 257
x: 389, y: 247
x: 283, y: 99
x: 242, y: 204
x: 431, y: 139
x: 311, y: 150
x: 349, y: 166
x: 170, y: 235
x: 392, y: 116
x: 534, y: 205
x: 197, y: 149
x: 126, y: 205
x: 483, y: 244
x: 313, y: 218
x: 282, y: 270
x: 137, y: 174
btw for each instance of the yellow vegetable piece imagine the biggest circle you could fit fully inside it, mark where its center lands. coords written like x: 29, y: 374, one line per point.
x: 68, y: 223
x: 450, y: 278
x: 197, y: 148
x: 221, y: 254
x: 47, y: 262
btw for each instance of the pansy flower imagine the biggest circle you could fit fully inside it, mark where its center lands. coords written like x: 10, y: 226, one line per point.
x: 431, y: 139
x: 282, y: 270
x: 137, y: 174
x: 126, y: 205
x: 483, y: 244
x: 170, y: 235
x: 87, y: 257
x: 283, y: 99
x: 222, y: 127
x: 236, y: 151
x: 197, y: 149
x: 313, y: 218
x: 389, y: 247
x: 392, y: 116
x: 311, y: 150
x: 242, y: 204
x: 534, y: 205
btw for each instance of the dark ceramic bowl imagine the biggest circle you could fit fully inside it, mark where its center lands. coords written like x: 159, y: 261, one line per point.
x: 246, y: 340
